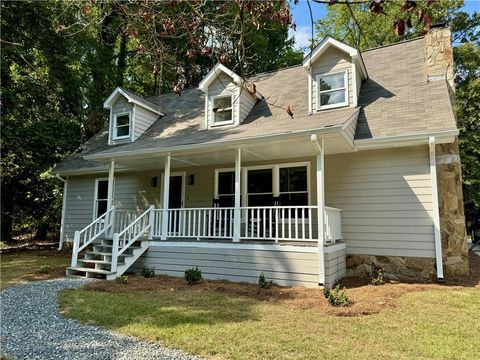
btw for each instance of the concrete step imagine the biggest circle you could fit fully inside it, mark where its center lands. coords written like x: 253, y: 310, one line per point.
x: 90, y: 270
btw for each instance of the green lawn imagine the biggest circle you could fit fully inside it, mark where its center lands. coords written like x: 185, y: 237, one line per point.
x: 433, y: 324
x: 25, y: 265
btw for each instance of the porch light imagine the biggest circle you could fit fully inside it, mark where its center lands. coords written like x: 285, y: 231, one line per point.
x: 191, y: 179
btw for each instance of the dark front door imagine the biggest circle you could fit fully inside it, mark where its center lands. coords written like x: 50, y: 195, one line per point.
x: 176, y: 190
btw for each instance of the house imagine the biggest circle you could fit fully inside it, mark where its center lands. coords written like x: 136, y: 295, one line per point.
x: 222, y: 177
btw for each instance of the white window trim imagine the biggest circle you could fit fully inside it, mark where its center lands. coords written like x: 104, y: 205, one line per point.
x: 317, y: 84
x: 114, y: 127
x: 95, y: 195
x: 212, y: 113
x: 275, y: 177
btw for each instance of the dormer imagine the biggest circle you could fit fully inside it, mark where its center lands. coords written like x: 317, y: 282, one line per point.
x: 228, y: 99
x: 130, y: 116
x: 335, y: 74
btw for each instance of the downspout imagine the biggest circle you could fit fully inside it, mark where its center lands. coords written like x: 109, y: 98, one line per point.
x: 64, y: 204
x: 436, y: 211
x: 320, y: 150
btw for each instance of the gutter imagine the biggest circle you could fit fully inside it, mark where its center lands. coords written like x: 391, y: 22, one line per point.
x: 64, y: 204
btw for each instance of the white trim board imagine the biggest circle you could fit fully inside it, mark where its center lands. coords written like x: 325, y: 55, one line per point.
x: 239, y: 246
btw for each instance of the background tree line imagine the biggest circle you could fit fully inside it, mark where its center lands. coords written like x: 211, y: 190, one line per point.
x: 60, y: 60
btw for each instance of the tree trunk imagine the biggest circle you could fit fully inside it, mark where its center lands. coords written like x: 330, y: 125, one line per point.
x: 122, y: 60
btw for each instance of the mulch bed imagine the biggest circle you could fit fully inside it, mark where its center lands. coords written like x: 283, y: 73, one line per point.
x: 367, y: 299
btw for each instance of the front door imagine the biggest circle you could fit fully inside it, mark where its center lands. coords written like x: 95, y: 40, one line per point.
x: 175, y: 198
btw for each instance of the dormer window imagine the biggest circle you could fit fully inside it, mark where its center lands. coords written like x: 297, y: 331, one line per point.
x: 332, y: 90
x: 121, y: 126
x: 222, y: 110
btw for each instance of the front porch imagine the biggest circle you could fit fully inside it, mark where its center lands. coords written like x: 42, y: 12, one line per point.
x: 268, y: 209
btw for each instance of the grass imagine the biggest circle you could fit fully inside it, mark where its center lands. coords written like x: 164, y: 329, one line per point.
x: 30, y: 265
x: 226, y: 322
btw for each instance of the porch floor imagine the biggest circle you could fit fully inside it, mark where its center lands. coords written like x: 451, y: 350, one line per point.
x: 243, y: 241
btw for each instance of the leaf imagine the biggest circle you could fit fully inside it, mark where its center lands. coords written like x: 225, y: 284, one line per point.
x: 409, y: 21
x: 427, y: 23
x: 289, y: 111
x: 376, y: 8
x: 421, y: 14
x: 399, y: 27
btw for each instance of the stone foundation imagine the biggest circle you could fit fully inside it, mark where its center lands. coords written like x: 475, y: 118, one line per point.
x: 452, y: 216
x: 395, y: 267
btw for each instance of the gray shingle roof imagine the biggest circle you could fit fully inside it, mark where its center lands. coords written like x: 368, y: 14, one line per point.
x: 395, y: 100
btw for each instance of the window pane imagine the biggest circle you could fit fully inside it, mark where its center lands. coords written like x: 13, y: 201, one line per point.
x: 123, y: 130
x: 333, y: 97
x: 293, y: 179
x: 293, y: 199
x: 123, y: 120
x: 260, y: 200
x: 226, y: 183
x: 259, y: 181
x: 223, y: 102
x: 226, y: 200
x: 224, y: 115
x: 333, y: 81
x: 102, y: 190
x: 101, y: 207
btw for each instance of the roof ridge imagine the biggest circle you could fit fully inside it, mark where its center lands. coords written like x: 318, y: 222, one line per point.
x: 393, y: 44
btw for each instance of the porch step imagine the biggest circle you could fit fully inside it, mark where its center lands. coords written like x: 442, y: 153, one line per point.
x: 101, y: 262
x: 82, y: 272
x: 90, y: 270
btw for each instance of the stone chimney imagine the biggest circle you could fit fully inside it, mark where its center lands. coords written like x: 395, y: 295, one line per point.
x: 439, y: 55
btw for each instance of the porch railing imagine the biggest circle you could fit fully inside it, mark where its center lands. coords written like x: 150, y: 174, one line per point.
x: 333, y: 224
x: 123, y: 218
x: 127, y: 237
x: 91, y: 232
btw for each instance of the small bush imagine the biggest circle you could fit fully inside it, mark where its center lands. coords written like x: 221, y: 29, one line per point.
x: 263, y: 283
x: 193, y: 275
x: 45, y: 269
x: 148, y: 272
x: 122, y: 280
x: 337, y: 296
x: 376, y: 276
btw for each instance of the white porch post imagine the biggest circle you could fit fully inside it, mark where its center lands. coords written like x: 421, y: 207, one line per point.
x: 111, y: 184
x: 436, y: 210
x: 166, y: 192
x: 320, y: 147
x: 237, y: 212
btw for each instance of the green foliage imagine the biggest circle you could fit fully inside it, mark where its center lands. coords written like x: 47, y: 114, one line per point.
x: 148, y: 272
x: 263, y: 283
x: 123, y: 280
x: 45, y: 269
x: 376, y: 276
x: 193, y: 275
x: 337, y: 296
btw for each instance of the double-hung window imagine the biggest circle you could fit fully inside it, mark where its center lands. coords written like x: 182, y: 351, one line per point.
x: 332, y: 90
x: 222, y: 110
x: 260, y: 187
x: 121, y: 126
x: 226, y: 188
x: 293, y: 186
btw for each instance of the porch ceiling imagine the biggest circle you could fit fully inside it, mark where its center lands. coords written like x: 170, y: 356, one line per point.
x: 251, y: 152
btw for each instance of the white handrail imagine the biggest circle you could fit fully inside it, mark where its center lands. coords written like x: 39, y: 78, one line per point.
x: 130, y: 234
x: 91, y: 232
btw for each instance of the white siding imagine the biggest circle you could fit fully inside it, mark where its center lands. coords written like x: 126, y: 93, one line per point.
x: 247, y: 102
x: 386, y: 201
x: 120, y: 106
x: 284, y: 267
x: 223, y: 85
x: 143, y: 120
x: 332, y: 60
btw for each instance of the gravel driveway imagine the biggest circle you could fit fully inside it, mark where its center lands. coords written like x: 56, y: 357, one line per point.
x: 31, y: 328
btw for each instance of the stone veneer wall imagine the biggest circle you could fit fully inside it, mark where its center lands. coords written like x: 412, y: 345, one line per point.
x: 452, y: 216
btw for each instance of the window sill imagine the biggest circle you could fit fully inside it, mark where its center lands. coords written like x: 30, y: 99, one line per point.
x: 223, y: 123
x: 333, y: 106
x: 121, y: 137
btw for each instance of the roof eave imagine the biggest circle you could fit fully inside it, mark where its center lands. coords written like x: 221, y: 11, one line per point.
x: 107, y: 104
x: 213, y: 74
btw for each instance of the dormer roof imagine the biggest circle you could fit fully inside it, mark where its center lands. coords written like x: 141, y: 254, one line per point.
x: 132, y: 98
x: 214, y: 73
x: 326, y: 43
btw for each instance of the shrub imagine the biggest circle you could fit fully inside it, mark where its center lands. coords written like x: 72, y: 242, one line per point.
x: 148, y: 272
x: 193, y: 275
x: 122, y: 280
x: 263, y: 283
x: 45, y: 269
x: 337, y: 296
x: 375, y: 277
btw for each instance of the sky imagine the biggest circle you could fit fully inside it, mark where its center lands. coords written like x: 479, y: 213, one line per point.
x: 301, y: 17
